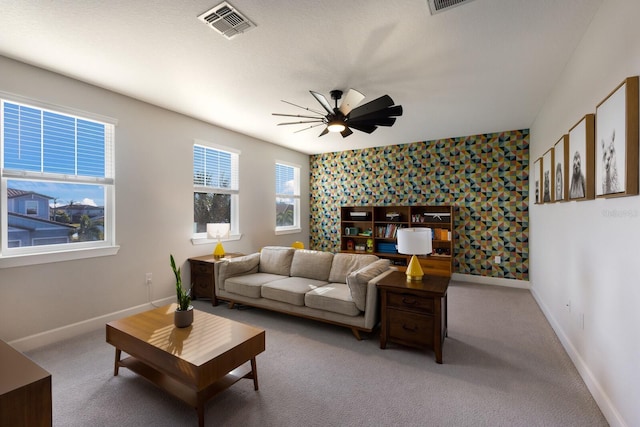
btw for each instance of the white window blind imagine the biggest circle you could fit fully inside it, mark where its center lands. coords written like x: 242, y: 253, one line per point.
x: 215, y: 168
x: 48, y: 145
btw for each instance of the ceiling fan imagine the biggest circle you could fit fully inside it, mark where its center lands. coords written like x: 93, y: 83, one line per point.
x: 365, y: 118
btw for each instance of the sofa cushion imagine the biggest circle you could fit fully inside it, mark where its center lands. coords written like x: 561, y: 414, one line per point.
x: 334, y: 297
x: 343, y: 264
x: 359, y: 279
x: 249, y: 285
x: 290, y: 289
x: 276, y: 260
x: 311, y: 264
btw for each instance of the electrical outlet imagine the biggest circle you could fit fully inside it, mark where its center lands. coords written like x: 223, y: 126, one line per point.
x: 497, y: 259
x: 147, y: 279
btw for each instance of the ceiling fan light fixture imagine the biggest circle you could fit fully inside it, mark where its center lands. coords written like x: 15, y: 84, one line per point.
x: 349, y: 115
x: 335, y: 125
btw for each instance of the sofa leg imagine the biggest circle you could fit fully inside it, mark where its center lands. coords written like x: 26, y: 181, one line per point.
x: 231, y: 305
x: 356, y: 333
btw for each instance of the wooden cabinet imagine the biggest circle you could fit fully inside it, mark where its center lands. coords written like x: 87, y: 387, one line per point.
x: 25, y: 390
x: 414, y: 313
x: 202, y: 278
x: 373, y: 229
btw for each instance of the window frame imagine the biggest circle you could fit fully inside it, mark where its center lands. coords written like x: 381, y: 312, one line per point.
x: 28, y: 206
x: 41, y: 254
x: 234, y: 232
x: 296, y: 227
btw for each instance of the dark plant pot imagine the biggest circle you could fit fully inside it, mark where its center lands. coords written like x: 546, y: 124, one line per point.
x: 183, y: 318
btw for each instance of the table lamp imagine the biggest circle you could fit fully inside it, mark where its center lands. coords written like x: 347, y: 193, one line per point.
x: 414, y: 241
x: 218, y: 231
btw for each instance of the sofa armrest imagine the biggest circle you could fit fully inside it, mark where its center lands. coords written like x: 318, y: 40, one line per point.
x: 229, y: 267
x: 371, y: 312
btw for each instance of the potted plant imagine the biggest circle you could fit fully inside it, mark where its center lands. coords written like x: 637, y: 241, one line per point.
x: 183, y: 315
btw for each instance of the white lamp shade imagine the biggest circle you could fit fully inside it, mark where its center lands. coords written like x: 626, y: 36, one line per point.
x: 218, y: 230
x: 414, y: 241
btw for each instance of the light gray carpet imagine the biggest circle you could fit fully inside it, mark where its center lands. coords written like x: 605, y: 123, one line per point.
x: 503, y: 366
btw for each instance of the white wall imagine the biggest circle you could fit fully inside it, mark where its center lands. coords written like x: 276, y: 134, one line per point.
x: 586, y: 253
x: 154, y: 209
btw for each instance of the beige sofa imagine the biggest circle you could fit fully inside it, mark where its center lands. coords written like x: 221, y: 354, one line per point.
x: 334, y: 288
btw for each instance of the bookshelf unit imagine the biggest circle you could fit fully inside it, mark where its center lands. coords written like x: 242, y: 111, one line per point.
x: 372, y: 229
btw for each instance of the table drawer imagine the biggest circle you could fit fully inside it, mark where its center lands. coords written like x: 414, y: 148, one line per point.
x: 410, y: 301
x: 201, y: 268
x: 410, y: 328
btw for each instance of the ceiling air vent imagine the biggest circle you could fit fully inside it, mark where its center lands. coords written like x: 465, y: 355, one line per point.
x: 437, y: 6
x: 226, y: 20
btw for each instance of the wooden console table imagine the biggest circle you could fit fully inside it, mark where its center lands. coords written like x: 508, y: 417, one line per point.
x: 414, y: 313
x: 25, y: 390
x: 202, y: 278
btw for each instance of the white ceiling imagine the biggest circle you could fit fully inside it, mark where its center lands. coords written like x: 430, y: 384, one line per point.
x: 484, y: 66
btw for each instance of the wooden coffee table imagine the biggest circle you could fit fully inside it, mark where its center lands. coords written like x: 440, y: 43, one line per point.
x: 193, y: 363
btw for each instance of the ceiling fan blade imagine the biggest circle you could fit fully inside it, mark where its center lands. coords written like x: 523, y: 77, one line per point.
x: 304, y: 108
x: 308, y: 127
x: 300, y: 122
x: 296, y: 115
x: 346, y: 132
x: 381, y: 103
x: 363, y: 127
x: 350, y: 101
x: 396, y: 110
x: 377, y: 121
x: 385, y: 121
x: 323, y: 101
x: 324, y: 132
x: 389, y: 121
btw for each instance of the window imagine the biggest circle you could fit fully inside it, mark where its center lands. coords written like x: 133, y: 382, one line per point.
x: 57, y: 180
x: 215, y: 188
x: 31, y: 207
x: 287, y: 198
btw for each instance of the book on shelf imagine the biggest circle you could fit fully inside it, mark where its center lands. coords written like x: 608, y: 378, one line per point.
x: 388, y: 231
x: 392, y: 216
x: 441, y: 234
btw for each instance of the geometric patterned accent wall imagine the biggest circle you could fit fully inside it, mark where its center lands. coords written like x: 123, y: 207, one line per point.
x: 484, y: 176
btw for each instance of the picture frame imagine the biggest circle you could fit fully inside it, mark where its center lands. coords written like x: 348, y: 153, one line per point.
x: 548, y: 177
x: 561, y: 175
x: 537, y: 173
x: 581, y: 159
x: 617, y: 142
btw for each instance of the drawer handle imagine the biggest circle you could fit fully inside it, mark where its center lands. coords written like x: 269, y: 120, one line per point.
x: 410, y: 329
x: 409, y: 301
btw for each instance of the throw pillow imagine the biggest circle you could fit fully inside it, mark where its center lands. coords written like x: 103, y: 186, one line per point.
x: 276, y: 260
x: 344, y: 264
x: 235, y: 266
x: 311, y: 264
x: 358, y: 281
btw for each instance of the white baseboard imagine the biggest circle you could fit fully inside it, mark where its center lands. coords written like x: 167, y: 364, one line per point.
x: 602, y: 399
x: 497, y: 281
x: 69, y: 331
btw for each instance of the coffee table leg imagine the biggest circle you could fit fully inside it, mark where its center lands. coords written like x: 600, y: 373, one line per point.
x: 117, y: 364
x: 254, y: 370
x: 200, y: 410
